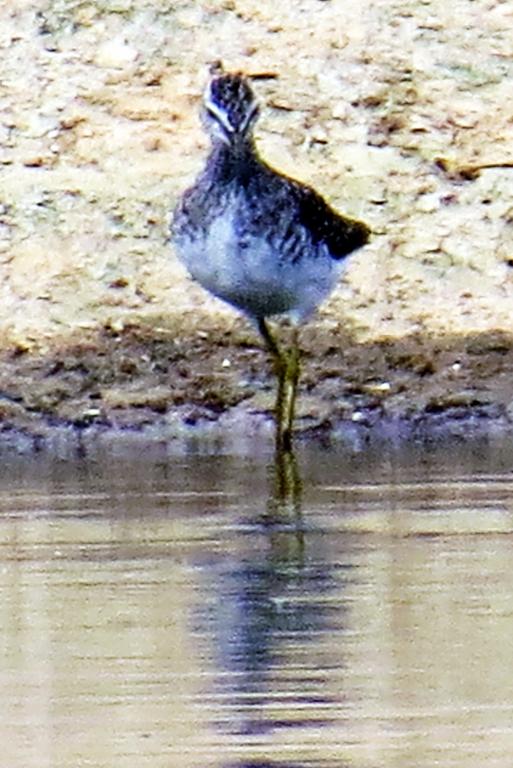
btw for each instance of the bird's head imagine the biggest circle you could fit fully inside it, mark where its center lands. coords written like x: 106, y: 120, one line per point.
x: 230, y: 108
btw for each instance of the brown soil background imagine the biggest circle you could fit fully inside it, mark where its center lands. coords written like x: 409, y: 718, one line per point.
x: 381, y: 105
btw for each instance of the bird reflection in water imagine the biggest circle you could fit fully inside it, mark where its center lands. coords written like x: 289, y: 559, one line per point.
x: 267, y: 616
x: 263, y: 764
x: 283, y: 517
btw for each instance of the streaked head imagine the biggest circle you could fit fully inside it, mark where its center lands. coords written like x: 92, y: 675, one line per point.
x: 229, y: 108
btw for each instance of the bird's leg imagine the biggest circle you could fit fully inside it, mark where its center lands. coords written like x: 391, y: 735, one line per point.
x: 286, y: 399
x: 286, y: 367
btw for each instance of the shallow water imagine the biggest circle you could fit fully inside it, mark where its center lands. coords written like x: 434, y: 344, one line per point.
x: 200, y: 611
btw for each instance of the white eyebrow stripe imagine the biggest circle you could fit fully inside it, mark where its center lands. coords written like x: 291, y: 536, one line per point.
x: 219, y: 113
x: 249, y: 115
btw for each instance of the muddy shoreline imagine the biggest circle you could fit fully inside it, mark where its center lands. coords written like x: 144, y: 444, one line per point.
x: 218, y: 388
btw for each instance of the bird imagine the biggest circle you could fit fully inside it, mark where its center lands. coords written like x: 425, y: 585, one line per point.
x: 265, y: 243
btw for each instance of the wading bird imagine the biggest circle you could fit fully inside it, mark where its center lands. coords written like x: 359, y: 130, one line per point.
x: 265, y: 243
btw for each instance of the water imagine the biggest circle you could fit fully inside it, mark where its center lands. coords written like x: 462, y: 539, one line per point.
x: 201, y: 612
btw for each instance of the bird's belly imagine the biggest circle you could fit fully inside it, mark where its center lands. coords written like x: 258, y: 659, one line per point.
x: 248, y: 273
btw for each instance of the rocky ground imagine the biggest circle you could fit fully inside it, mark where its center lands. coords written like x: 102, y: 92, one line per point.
x: 398, y: 112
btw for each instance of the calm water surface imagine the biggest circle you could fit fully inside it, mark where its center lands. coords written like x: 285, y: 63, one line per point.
x: 199, y: 612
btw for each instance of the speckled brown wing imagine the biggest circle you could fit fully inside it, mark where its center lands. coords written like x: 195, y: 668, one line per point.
x: 296, y: 218
x: 340, y: 234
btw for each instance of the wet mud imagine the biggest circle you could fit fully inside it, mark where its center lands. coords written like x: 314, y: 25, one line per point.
x: 148, y: 380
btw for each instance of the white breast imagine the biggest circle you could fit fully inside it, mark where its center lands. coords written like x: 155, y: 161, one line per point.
x: 246, y: 272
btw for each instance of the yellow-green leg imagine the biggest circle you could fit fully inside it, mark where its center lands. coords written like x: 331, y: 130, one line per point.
x: 287, y: 368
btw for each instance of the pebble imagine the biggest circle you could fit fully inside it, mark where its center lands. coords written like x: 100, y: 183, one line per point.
x: 428, y: 203
x: 115, y: 54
